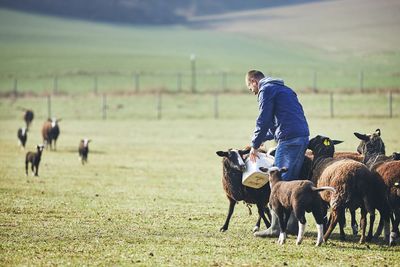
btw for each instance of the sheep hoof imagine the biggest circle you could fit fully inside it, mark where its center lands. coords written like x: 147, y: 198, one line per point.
x: 298, y: 242
x: 256, y: 229
x: 222, y: 230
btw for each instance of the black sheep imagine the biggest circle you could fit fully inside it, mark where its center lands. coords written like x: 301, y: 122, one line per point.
x: 22, y: 136
x: 34, y: 159
x: 233, y: 166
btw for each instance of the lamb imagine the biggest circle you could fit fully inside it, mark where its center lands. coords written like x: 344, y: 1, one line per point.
x: 388, y: 169
x: 356, y: 186
x: 22, y: 136
x: 28, y: 117
x: 83, y: 150
x: 50, y: 132
x: 34, y: 159
x: 233, y: 167
x: 299, y: 196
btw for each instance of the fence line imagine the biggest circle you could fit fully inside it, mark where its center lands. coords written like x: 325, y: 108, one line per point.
x: 194, y: 81
x: 217, y: 105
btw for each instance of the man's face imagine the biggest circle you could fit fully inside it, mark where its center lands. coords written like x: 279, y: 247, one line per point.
x: 252, y: 85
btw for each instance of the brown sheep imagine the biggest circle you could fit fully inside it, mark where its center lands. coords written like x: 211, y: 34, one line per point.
x: 298, y: 196
x: 50, y: 132
x: 356, y: 186
x: 388, y: 169
x: 83, y: 150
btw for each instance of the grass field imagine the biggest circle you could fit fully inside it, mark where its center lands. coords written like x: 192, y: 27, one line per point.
x: 151, y: 193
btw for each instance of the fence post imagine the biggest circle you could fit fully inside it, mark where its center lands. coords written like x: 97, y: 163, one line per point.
x: 136, y: 78
x: 224, y: 80
x: 15, y: 89
x: 193, y: 67
x: 95, y: 85
x: 179, y: 82
x: 159, y: 105
x: 361, y: 81
x: 49, y: 106
x: 104, y: 106
x: 216, y: 108
x: 314, y: 81
x: 55, y: 85
x: 331, y: 104
x: 390, y: 104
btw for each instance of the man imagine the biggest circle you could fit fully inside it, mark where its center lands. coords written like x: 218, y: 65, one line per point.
x: 281, y: 117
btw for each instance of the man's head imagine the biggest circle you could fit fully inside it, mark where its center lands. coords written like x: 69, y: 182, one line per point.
x: 252, y: 79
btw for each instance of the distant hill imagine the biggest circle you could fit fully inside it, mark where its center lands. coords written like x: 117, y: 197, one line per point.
x: 140, y: 11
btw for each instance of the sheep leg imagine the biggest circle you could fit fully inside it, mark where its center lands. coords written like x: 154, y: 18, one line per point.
x: 395, y: 227
x: 371, y: 226
x: 300, y: 216
x: 32, y: 168
x: 317, y: 212
x: 26, y: 167
x: 261, y: 209
x: 342, y: 222
x: 363, y: 224
x: 354, y: 225
x: 232, y: 204
x: 283, y: 217
x: 333, y: 221
x: 37, y: 170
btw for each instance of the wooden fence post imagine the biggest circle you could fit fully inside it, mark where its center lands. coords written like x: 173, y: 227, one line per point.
x: 361, y: 81
x: 224, y: 81
x: 315, y: 82
x: 179, y: 82
x: 216, y: 108
x: 331, y: 104
x: 390, y: 104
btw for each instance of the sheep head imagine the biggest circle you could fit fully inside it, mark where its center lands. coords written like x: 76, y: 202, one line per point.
x: 234, y: 158
x: 370, y: 143
x: 323, y: 146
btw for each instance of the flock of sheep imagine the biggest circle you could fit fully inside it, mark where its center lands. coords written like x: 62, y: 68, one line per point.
x: 50, y: 133
x: 367, y: 180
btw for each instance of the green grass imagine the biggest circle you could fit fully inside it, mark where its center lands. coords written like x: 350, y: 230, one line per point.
x: 157, y: 197
x: 151, y: 193
x: 35, y: 49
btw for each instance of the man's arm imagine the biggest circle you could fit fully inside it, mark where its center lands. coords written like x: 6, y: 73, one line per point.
x: 264, y: 121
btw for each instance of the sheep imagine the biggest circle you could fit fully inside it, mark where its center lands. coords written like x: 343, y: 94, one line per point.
x: 388, y: 169
x: 34, y: 159
x: 298, y: 196
x: 83, y: 150
x: 356, y: 186
x: 233, y: 167
x: 50, y: 132
x: 28, y: 117
x: 22, y: 136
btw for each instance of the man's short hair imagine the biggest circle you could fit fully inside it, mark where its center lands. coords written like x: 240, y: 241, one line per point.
x: 255, y: 74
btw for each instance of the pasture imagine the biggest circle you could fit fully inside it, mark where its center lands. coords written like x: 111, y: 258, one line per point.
x: 151, y: 193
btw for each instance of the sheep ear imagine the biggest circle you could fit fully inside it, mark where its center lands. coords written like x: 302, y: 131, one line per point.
x: 336, y: 142
x: 363, y: 137
x: 263, y: 169
x: 378, y: 132
x: 283, y: 170
x: 244, y: 152
x: 222, y: 153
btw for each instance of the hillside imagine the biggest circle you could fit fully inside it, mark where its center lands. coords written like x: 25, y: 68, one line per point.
x: 339, y: 26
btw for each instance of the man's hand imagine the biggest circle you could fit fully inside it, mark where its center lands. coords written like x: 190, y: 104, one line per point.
x: 253, y: 154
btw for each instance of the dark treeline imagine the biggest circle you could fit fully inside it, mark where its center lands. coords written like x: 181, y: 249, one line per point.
x: 139, y: 11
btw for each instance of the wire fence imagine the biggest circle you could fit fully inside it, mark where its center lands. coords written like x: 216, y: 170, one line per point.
x: 159, y: 105
x: 192, y: 82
